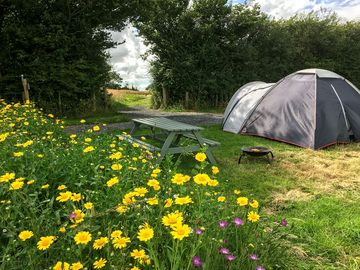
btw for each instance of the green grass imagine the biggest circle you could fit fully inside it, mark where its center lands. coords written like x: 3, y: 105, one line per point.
x: 124, y: 101
x: 105, y: 117
x: 322, y: 207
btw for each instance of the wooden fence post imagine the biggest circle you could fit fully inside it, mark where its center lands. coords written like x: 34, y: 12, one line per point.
x: 164, y: 96
x: 187, y: 100
x: 25, y: 84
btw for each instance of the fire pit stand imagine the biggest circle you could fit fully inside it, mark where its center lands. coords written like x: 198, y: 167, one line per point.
x: 256, y: 151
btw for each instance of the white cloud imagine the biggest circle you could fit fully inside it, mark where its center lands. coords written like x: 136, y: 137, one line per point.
x: 347, y: 9
x: 126, y: 58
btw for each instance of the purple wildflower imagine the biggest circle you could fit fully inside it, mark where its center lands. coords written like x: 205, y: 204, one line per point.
x: 259, y: 267
x: 196, y: 261
x: 224, y: 251
x: 72, y: 215
x: 253, y: 257
x: 230, y: 257
x: 223, y: 224
x: 238, y: 221
x: 283, y: 222
x: 199, y: 231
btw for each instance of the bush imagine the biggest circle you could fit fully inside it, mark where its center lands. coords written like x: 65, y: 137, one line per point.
x: 95, y: 201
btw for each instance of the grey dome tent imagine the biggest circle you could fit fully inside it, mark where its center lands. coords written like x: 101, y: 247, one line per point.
x: 311, y: 108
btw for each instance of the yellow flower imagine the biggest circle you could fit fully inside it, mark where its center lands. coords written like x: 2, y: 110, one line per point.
x: 183, y: 200
x: 88, y: 149
x: 45, y: 242
x: 168, y: 203
x: 7, y: 177
x: 120, y: 242
x: 154, y: 184
x: 18, y: 154
x: 157, y: 170
x: 76, y: 266
x: 88, y: 140
x: 51, y: 115
x: 112, y: 181
x: 16, y: 185
x: 61, y: 266
x: 213, y: 183
x: 242, y: 201
x: 88, y: 205
x: 201, y: 179
x: 30, y: 182
x: 180, y: 231
x: 253, y: 216
x: 116, y: 167
x: 40, y: 155
x: 135, y: 145
x: 152, y: 201
x: 172, y: 219
x: 82, y: 238
x: 180, y: 179
x: 145, y: 233
x: 99, y: 263
x: 64, y: 196
x: 121, y: 209
x: 141, y: 191
x: 138, y: 254
x: 62, y: 229
x: 49, y: 133
x: 254, y: 204
x: 237, y: 192
x: 96, y: 128
x: 100, y: 243
x: 25, y: 235
x: 135, y: 268
x: 76, y: 197
x: 116, y: 234
x: 221, y: 199
x: 79, y: 216
x: 61, y: 187
x: 116, y: 155
x: 200, y: 157
x: 214, y: 170
x: 46, y: 186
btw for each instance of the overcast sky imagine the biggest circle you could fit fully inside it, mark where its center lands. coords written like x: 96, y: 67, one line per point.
x: 126, y: 58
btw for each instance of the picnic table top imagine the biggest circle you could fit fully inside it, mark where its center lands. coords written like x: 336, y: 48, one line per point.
x: 166, y: 124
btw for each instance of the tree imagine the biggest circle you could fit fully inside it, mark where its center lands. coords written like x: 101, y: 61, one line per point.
x: 60, y: 46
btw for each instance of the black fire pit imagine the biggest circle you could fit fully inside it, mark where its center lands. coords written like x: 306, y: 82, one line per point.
x: 256, y: 151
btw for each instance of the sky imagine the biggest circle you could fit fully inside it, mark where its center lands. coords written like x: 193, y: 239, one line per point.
x: 127, y: 61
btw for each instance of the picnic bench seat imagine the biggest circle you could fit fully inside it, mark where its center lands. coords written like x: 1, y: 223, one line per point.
x: 209, y: 142
x: 148, y: 146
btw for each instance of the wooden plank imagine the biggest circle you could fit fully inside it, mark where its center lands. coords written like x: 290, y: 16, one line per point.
x: 166, y: 124
x: 148, y: 146
x: 207, y: 141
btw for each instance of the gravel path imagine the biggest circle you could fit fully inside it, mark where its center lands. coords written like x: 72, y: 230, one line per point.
x: 193, y: 118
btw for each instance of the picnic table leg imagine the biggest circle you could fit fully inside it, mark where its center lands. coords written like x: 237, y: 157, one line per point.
x: 202, y: 144
x: 166, y: 145
x: 135, y: 127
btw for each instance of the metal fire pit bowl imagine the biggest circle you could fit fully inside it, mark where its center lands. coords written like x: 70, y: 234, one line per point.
x: 256, y: 151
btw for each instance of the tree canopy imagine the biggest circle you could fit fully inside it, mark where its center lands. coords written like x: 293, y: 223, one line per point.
x: 209, y: 48
x: 60, y: 47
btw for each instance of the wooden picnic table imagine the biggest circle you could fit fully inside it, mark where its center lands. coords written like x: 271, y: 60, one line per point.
x: 170, y: 132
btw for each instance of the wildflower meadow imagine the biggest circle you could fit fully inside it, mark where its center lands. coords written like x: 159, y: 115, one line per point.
x: 95, y: 201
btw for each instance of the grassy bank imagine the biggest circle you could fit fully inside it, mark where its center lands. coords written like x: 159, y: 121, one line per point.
x: 316, y: 191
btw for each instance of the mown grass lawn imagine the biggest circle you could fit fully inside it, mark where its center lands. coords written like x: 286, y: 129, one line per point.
x: 318, y: 193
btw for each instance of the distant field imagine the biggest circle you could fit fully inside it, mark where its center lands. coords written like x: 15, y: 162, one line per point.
x: 121, y: 92
x: 130, y: 98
